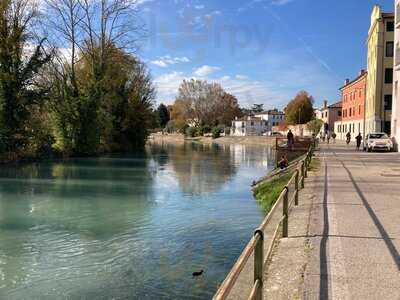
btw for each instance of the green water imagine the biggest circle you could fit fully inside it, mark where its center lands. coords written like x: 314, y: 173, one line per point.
x: 128, y: 227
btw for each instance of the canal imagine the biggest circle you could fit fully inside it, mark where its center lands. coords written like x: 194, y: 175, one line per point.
x: 128, y: 227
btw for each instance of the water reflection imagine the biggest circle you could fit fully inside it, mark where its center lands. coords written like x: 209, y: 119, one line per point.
x: 131, y: 227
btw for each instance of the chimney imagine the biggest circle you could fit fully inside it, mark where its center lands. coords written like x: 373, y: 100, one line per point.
x: 347, y: 81
x: 325, y: 104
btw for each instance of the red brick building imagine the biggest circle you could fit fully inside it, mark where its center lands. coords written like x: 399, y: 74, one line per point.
x: 353, y: 106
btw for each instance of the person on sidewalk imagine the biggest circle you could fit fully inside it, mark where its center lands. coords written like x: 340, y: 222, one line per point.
x: 358, y: 140
x: 348, y: 138
x: 290, y: 138
x: 334, y: 138
x: 328, y: 137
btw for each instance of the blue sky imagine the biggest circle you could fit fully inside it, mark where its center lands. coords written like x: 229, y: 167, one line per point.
x: 262, y: 51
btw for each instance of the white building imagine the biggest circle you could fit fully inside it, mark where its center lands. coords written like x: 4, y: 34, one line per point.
x: 396, y: 78
x: 248, y: 126
x: 272, y: 118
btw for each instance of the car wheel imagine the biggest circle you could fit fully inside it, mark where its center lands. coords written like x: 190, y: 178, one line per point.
x: 369, y: 149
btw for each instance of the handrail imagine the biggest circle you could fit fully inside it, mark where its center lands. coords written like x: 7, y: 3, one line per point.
x: 230, y: 280
x: 256, y: 244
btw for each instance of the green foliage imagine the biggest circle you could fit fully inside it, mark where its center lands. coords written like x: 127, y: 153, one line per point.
x: 315, y: 126
x: 19, y: 89
x: 163, y: 115
x: 257, y: 108
x: 300, y: 110
x: 267, y: 193
x: 191, y: 132
x: 216, y: 132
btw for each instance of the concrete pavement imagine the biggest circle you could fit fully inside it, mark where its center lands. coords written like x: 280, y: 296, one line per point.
x: 354, y: 232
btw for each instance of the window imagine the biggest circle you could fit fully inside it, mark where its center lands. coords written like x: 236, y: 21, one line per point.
x: 387, y: 126
x: 242, y: 124
x: 360, y: 93
x: 350, y: 112
x: 252, y: 123
x: 389, y: 26
x: 339, y: 113
x: 388, y: 102
x: 359, y: 109
x: 389, y: 49
x: 398, y: 13
x: 389, y: 75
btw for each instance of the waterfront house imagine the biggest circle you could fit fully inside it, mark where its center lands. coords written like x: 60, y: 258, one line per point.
x: 378, y: 106
x: 272, y: 117
x: 249, y: 125
x: 329, y: 114
x: 353, y: 106
x: 396, y: 77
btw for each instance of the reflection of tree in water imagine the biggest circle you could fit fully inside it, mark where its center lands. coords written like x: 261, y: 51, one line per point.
x: 199, y: 168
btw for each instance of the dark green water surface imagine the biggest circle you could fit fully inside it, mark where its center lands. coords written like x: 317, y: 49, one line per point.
x: 128, y: 227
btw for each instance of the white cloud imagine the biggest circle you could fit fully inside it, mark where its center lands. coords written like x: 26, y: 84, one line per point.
x: 247, y: 91
x: 167, y: 60
x: 206, y: 70
x: 201, y: 6
x: 280, y: 2
x: 241, y: 77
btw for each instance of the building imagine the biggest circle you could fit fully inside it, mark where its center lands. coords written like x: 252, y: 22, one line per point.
x: 273, y: 118
x: 396, y: 78
x: 248, y: 126
x: 329, y: 114
x: 378, y: 107
x: 353, y: 106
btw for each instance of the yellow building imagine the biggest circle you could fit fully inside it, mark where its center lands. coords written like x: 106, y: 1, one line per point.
x: 380, y: 72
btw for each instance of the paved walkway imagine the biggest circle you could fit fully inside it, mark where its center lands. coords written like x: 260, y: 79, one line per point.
x: 354, y: 232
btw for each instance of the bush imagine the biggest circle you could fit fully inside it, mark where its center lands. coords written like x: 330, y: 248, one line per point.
x: 205, y: 129
x: 191, y: 131
x: 216, y: 132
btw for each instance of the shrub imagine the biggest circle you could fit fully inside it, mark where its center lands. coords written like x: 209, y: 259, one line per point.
x: 191, y: 131
x: 216, y: 132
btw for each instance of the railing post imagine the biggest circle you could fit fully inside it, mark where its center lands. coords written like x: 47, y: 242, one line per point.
x: 285, y: 225
x: 296, y: 186
x: 302, y: 174
x: 306, y: 167
x: 259, y: 264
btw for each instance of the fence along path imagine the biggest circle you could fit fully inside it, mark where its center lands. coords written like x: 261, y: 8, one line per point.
x: 245, y: 280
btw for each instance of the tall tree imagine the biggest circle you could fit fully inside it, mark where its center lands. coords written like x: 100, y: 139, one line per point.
x: 257, y: 108
x: 163, y: 115
x: 300, y: 110
x: 21, y: 59
x: 97, y: 32
x: 204, y: 103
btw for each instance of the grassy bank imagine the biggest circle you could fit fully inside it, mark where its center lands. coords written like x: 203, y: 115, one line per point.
x: 268, y: 192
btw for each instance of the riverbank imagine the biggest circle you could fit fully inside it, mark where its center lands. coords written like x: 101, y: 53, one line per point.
x: 226, y: 140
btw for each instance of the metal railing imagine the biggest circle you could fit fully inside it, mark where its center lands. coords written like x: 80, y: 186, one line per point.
x: 256, y: 244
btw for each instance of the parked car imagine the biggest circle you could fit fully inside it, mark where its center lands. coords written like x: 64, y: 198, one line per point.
x: 278, y: 134
x: 378, y: 141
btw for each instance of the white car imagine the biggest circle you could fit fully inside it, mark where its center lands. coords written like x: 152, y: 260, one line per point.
x: 378, y: 141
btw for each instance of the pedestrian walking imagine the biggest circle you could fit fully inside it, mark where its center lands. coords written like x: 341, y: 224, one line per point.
x: 290, y: 138
x: 323, y: 136
x: 334, y: 138
x: 358, y: 141
x: 328, y: 136
x: 348, y: 138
